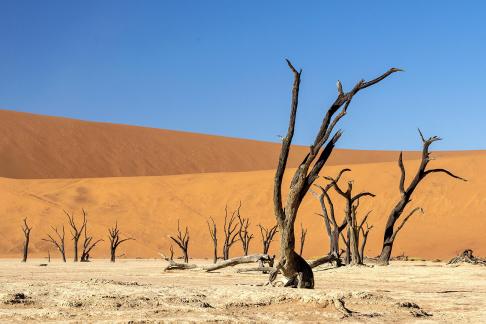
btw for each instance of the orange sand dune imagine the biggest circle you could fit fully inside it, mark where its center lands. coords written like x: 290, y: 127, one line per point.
x: 147, y: 208
x: 43, y: 147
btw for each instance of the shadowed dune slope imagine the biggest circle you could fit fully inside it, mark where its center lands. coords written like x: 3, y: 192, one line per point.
x: 147, y: 208
x: 43, y: 147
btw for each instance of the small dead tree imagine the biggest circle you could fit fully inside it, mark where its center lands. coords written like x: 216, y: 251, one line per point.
x: 213, y: 232
x: 182, y: 240
x: 406, y: 194
x: 231, y: 231
x: 75, y: 231
x: 291, y: 265
x: 267, y: 236
x: 26, y: 230
x: 303, y: 234
x: 115, y: 241
x: 88, y: 244
x: 244, y: 234
x: 59, y: 242
x: 333, y: 229
x: 364, y: 233
x: 351, y: 206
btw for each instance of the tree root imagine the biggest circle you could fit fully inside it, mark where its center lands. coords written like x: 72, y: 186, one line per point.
x: 467, y: 257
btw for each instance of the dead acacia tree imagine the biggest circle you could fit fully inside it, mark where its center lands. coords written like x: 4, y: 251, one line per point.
x: 88, y: 244
x: 182, y: 240
x: 333, y: 229
x: 350, y: 212
x: 213, y: 232
x: 365, y: 233
x: 303, y: 234
x: 230, y: 229
x: 267, y: 236
x: 115, y: 241
x: 59, y: 242
x: 26, y: 230
x: 293, y: 266
x: 406, y: 194
x: 244, y: 234
x: 75, y: 231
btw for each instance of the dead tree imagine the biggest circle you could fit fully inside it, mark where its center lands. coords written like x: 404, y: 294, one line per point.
x: 26, y: 230
x: 88, y: 244
x: 230, y: 231
x: 467, y: 257
x: 182, y: 240
x: 267, y: 236
x: 115, y: 241
x: 351, y: 206
x: 223, y: 264
x: 347, y: 258
x: 303, y: 234
x: 365, y: 239
x: 213, y: 232
x: 75, y: 231
x: 406, y: 194
x: 364, y: 233
x: 244, y: 234
x: 292, y: 265
x: 333, y: 229
x: 59, y: 242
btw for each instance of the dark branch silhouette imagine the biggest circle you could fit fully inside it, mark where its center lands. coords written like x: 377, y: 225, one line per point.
x: 406, y: 194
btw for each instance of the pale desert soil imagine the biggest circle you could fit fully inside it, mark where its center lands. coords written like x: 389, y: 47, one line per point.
x: 138, y: 290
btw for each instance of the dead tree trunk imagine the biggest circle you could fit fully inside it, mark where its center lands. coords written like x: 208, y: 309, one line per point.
x: 365, y: 238
x: 59, y: 242
x: 406, y: 194
x: 182, y: 240
x: 115, y: 241
x: 230, y: 231
x: 75, y: 232
x: 267, y: 236
x: 303, y: 234
x: 351, y: 206
x: 88, y: 244
x: 347, y: 258
x: 213, y: 232
x: 26, y: 229
x: 244, y: 234
x: 332, y: 228
x: 292, y: 265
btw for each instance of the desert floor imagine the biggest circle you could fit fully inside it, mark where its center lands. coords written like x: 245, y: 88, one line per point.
x: 138, y: 290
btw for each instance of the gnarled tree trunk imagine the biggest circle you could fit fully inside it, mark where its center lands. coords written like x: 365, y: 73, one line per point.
x: 293, y: 266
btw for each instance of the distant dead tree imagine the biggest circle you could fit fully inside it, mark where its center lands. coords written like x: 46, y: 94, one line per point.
x: 213, y: 232
x: 364, y: 233
x: 245, y: 236
x: 406, y: 194
x: 26, y: 230
x: 59, y: 242
x: 88, y: 244
x: 182, y: 240
x: 351, y: 206
x: 333, y: 230
x: 115, y: 241
x: 267, y: 236
x: 294, y: 268
x: 303, y: 234
x: 231, y: 230
x: 75, y: 231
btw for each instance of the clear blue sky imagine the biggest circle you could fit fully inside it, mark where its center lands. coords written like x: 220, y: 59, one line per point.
x: 218, y: 67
